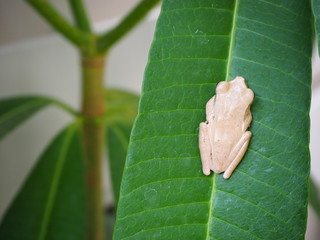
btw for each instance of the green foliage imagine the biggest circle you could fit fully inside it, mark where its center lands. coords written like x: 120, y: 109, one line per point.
x: 44, y: 207
x: 164, y: 194
x: 15, y: 110
x: 197, y: 44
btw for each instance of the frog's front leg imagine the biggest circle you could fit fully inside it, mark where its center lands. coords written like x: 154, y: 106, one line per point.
x: 237, y: 153
x: 205, y: 147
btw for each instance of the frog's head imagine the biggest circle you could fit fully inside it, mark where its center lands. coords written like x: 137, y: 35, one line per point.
x: 246, y: 92
x: 239, y: 87
x: 233, y: 97
x: 237, y: 84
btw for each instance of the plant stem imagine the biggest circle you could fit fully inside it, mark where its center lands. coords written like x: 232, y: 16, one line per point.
x: 93, y: 109
x: 80, y: 15
x: 105, y: 41
x: 47, y: 11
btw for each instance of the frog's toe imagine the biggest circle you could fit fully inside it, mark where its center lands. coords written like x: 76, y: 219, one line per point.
x: 206, y: 171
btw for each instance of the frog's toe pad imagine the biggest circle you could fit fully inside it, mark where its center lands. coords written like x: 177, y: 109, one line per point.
x: 206, y: 171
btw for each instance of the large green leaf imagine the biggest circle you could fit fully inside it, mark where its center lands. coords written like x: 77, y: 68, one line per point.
x: 197, y: 44
x: 15, y: 110
x: 121, y: 110
x: 51, y: 203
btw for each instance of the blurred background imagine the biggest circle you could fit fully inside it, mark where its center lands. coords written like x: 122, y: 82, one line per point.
x: 36, y: 60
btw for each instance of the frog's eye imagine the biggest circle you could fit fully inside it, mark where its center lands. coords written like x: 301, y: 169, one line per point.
x: 222, y: 87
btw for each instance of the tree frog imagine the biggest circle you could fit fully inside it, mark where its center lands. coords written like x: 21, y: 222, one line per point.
x: 223, y: 137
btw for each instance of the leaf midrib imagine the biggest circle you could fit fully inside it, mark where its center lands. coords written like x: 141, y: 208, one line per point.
x: 55, y: 183
x: 214, y: 189
x: 232, y: 39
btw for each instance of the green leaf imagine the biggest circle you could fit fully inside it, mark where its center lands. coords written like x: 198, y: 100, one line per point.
x: 164, y: 194
x: 121, y: 111
x: 314, y: 198
x: 15, y: 110
x: 51, y: 203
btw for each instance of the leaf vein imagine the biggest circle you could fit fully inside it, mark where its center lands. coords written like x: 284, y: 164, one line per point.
x: 163, y: 158
x: 197, y: 8
x: 280, y: 133
x: 211, y: 202
x: 284, y: 103
x: 271, y: 67
x: 270, y: 186
x: 272, y: 26
x: 261, y: 208
x: 170, y: 110
x: 164, y: 136
x: 275, y: 162
x: 186, y: 59
x: 161, y: 181
x: 164, y: 227
x: 275, y: 41
x: 192, y: 35
x: 55, y: 184
x: 176, y: 85
x: 282, y: 94
x: 232, y: 39
x: 284, y: 8
x: 160, y: 208
x: 236, y: 226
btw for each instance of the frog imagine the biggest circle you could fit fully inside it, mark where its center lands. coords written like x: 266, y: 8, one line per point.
x: 224, y: 136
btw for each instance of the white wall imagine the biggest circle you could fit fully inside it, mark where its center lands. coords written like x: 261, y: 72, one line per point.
x: 35, y: 60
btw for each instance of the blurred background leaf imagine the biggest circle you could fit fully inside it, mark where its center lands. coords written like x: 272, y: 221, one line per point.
x: 314, y: 198
x: 122, y: 109
x: 44, y: 207
x: 15, y: 110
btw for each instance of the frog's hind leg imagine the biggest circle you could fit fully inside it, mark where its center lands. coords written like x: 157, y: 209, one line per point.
x: 205, y: 148
x: 238, y: 153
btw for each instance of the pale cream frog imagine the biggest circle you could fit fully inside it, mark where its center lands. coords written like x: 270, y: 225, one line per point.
x: 223, y: 138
